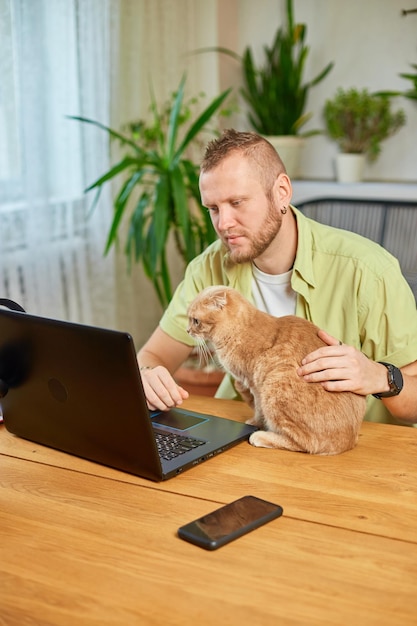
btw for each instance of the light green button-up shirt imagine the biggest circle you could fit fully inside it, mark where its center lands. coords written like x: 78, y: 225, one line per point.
x: 346, y: 284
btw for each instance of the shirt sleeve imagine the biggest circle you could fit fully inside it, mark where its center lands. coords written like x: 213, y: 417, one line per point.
x: 203, y: 271
x: 389, y: 320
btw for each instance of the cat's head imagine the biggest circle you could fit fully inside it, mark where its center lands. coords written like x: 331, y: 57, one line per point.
x: 212, y: 306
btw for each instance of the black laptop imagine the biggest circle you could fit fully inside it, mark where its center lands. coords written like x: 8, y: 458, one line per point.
x: 77, y: 388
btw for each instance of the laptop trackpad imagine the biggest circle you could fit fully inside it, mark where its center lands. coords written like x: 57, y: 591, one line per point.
x: 177, y: 419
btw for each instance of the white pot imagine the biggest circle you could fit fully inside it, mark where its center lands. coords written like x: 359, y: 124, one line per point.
x: 349, y: 167
x: 289, y: 148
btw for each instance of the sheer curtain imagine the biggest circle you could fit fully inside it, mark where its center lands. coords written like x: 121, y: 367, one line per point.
x: 55, y: 61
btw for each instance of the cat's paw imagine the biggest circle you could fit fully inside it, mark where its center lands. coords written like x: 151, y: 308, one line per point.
x: 253, y: 421
x: 262, y: 439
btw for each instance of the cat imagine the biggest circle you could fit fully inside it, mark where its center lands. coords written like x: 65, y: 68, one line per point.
x: 262, y: 353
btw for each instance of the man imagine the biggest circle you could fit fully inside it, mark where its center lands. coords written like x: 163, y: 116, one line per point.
x: 286, y: 263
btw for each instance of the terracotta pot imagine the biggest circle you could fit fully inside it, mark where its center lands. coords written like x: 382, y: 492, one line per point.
x: 203, y: 382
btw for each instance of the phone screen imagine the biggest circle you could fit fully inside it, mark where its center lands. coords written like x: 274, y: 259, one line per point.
x: 229, y: 522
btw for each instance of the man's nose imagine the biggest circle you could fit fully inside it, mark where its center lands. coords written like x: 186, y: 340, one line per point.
x: 225, y: 219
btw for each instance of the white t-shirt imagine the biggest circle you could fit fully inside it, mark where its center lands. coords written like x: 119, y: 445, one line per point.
x: 273, y: 293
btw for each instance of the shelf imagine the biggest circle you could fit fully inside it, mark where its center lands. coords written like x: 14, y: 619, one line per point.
x: 304, y: 190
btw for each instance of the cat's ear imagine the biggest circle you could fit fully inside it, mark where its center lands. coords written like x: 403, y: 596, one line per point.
x: 218, y: 301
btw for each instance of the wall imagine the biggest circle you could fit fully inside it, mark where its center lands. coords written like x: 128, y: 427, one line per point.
x: 370, y: 42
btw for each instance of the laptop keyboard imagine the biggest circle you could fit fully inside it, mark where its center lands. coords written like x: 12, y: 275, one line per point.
x: 171, y: 445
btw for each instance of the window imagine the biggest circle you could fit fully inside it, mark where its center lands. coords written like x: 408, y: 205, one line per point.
x: 54, y: 62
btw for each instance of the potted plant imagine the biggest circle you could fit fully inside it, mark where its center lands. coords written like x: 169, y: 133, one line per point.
x: 159, y: 194
x: 276, y: 92
x: 359, y: 121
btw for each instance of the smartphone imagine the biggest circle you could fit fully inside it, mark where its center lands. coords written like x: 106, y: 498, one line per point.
x: 229, y: 522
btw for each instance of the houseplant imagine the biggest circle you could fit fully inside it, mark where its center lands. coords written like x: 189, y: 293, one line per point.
x: 275, y: 91
x: 359, y: 121
x: 158, y: 193
x: 159, y: 197
x: 410, y: 93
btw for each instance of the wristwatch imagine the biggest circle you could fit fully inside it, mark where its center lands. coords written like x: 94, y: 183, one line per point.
x: 395, y: 381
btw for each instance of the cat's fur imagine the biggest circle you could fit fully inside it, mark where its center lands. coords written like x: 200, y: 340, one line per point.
x: 262, y: 353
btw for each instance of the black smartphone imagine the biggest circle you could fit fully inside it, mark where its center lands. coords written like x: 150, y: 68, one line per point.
x: 229, y: 522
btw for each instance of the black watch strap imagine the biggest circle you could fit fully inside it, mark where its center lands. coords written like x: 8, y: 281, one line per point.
x: 395, y: 381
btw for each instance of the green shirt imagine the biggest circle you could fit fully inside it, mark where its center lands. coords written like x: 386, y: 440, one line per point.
x: 346, y: 284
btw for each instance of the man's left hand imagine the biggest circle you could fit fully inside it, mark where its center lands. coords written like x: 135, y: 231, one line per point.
x: 339, y: 367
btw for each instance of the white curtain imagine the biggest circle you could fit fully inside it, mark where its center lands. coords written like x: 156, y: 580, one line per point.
x: 55, y: 59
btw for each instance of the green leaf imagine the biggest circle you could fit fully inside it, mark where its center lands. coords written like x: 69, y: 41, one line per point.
x: 135, y: 240
x: 160, y: 220
x: 201, y: 121
x: 113, y: 133
x: 120, y: 205
x: 125, y: 163
x: 173, y: 121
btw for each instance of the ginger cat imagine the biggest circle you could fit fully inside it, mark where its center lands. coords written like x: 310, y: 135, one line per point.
x: 262, y: 353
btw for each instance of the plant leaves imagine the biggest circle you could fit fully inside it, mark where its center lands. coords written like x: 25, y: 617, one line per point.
x: 113, y: 133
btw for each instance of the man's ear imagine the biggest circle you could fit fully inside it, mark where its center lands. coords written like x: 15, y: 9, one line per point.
x: 283, y: 190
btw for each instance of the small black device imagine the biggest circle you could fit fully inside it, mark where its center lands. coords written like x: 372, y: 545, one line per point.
x: 229, y: 522
x: 395, y: 381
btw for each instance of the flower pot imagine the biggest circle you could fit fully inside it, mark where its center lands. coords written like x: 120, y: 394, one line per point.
x: 289, y: 148
x: 349, y: 167
x: 197, y: 378
x: 202, y: 382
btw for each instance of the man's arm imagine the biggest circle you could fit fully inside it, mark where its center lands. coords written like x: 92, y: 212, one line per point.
x: 404, y: 406
x: 158, y: 360
x: 344, y: 368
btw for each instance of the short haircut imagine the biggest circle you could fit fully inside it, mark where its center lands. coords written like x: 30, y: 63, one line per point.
x: 252, y: 146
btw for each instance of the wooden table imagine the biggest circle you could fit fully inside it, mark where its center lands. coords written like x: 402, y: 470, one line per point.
x: 83, y: 544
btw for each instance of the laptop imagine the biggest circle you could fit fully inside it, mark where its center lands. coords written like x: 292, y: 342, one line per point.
x: 78, y: 389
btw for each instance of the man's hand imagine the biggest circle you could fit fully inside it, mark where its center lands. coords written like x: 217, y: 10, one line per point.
x: 339, y: 367
x: 161, y: 390
x: 157, y: 358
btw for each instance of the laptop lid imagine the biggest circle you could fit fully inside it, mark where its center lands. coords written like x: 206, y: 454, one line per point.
x: 77, y: 388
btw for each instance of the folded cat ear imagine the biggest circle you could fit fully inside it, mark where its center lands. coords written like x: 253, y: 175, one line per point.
x: 218, y: 301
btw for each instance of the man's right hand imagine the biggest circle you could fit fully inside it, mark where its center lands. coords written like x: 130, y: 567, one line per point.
x: 161, y: 391
x: 157, y: 358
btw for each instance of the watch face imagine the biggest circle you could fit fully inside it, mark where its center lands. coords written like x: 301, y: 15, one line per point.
x: 397, y: 378
x: 395, y: 381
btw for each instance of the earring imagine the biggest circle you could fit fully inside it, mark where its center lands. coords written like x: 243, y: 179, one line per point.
x: 284, y: 210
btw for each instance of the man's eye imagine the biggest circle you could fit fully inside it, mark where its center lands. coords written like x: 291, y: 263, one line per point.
x: 212, y: 209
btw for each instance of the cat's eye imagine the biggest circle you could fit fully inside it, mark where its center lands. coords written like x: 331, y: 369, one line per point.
x: 195, y: 321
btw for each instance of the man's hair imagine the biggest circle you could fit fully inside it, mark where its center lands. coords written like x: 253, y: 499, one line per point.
x: 252, y: 146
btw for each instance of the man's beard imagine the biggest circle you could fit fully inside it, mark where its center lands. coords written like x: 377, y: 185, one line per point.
x: 261, y: 240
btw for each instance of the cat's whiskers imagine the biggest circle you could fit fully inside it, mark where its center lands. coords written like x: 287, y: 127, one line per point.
x: 206, y: 358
